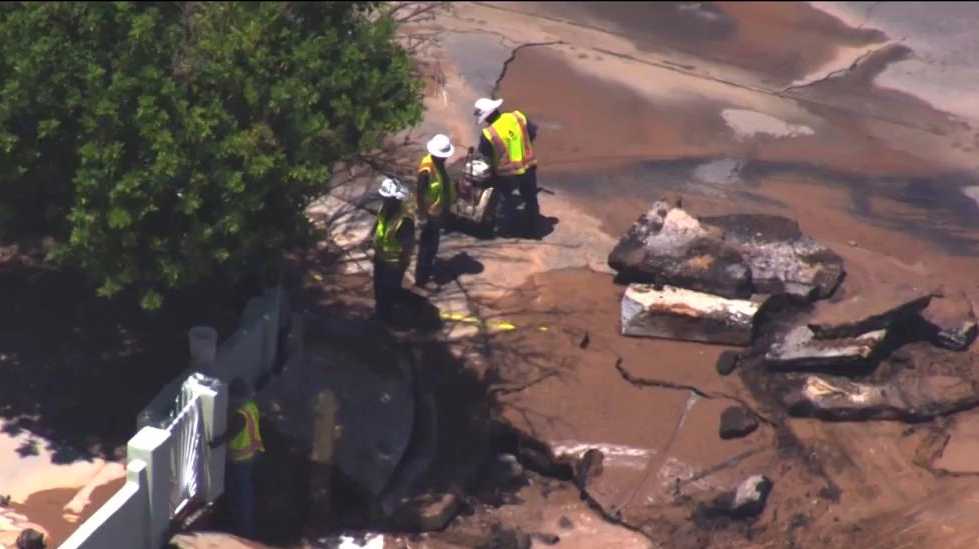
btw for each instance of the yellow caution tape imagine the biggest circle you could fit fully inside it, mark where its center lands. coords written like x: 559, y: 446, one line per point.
x: 501, y: 325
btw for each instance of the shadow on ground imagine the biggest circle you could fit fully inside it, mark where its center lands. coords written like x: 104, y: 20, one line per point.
x: 76, y: 369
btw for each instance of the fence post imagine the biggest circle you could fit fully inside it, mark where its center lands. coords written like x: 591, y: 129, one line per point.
x: 214, y: 410
x: 153, y: 446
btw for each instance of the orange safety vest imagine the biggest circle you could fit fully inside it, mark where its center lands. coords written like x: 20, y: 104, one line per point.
x: 514, y: 153
x: 248, y: 442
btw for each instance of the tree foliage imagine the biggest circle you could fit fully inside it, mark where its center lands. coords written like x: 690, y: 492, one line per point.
x: 161, y: 143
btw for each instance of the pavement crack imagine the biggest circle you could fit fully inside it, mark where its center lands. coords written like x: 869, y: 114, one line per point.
x: 662, y: 384
x: 839, y: 73
x: 513, y: 56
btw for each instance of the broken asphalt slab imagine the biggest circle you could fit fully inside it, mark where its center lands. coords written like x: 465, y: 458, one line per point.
x: 874, y: 309
x: 951, y: 321
x: 731, y: 256
x: 920, y: 382
x: 799, y: 349
x: 676, y: 313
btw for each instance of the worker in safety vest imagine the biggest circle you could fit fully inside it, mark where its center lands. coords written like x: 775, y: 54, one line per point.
x: 435, y: 194
x: 394, y: 242
x: 507, y: 141
x: 244, y: 441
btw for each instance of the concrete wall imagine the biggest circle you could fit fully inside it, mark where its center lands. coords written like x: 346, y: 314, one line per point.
x: 123, y: 520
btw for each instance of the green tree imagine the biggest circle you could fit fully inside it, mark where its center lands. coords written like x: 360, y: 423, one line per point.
x: 161, y: 143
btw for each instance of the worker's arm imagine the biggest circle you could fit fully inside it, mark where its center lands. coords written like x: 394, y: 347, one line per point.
x: 531, y: 130
x: 421, y: 195
x: 486, y: 149
x: 235, y: 425
x: 406, y: 237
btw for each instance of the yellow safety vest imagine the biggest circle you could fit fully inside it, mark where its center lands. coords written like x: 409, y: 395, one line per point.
x: 386, y: 245
x: 440, y: 194
x: 514, y: 153
x: 249, y: 441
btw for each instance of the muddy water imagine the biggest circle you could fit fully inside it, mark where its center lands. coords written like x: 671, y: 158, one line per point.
x: 881, y: 176
x: 784, y: 41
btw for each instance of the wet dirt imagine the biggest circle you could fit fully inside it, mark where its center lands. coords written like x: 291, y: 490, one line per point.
x: 784, y: 41
x: 876, y: 174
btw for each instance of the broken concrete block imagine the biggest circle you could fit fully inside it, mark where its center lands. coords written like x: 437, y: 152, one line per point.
x: 746, y: 501
x: 836, y: 398
x: 932, y: 388
x: 676, y: 313
x: 669, y: 246
x: 731, y: 256
x: 877, y: 308
x: 781, y: 259
x: 751, y: 495
x: 951, y: 321
x: 736, y: 422
x: 800, y: 350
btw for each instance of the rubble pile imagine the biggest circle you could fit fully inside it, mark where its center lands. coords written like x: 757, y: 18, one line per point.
x: 887, y: 353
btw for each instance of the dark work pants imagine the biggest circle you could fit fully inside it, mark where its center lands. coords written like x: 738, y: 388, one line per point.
x: 241, y: 488
x: 387, y: 286
x: 526, y: 185
x: 428, y: 249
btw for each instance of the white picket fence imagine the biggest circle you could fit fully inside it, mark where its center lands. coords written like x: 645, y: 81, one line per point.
x: 170, y: 466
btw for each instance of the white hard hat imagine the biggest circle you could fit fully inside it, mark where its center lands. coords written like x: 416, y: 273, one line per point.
x: 440, y: 146
x: 392, y: 188
x: 485, y: 106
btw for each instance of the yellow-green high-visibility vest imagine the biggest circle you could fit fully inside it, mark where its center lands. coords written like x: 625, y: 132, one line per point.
x: 386, y: 245
x: 514, y: 153
x: 249, y: 441
x: 440, y: 193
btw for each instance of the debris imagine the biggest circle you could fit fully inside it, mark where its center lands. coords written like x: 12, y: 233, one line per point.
x: 736, y: 422
x: 751, y: 495
x: 731, y: 256
x: 941, y: 382
x: 4, y: 501
x: 428, y: 512
x: 30, y: 539
x: 546, y: 539
x: 878, y: 308
x: 746, y: 501
x: 584, y: 341
x: 800, y: 350
x: 565, y: 523
x: 676, y: 313
x: 727, y: 362
x: 950, y: 321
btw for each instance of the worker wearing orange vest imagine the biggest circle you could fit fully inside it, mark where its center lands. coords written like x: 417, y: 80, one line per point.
x: 244, y: 441
x: 435, y: 194
x: 394, y: 242
x: 507, y: 140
